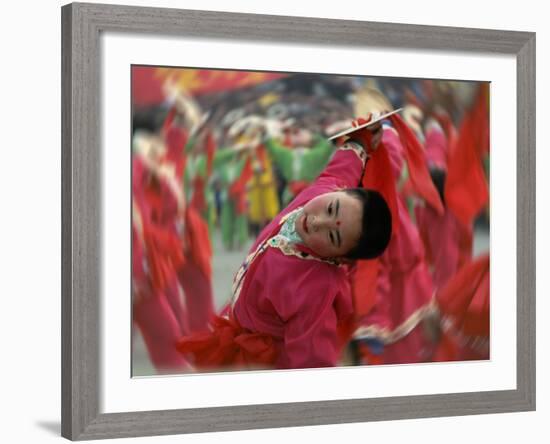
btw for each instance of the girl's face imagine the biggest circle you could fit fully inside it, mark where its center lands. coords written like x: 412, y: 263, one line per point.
x: 330, y: 224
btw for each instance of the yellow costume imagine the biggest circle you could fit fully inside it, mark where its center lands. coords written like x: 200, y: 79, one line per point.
x: 262, y: 190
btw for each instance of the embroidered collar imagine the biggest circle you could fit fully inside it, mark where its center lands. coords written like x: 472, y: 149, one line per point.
x: 288, y: 226
x: 289, y: 241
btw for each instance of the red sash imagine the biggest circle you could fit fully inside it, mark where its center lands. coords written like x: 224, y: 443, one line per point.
x: 228, y: 345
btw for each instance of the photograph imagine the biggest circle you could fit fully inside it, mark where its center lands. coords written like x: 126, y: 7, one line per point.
x: 295, y: 220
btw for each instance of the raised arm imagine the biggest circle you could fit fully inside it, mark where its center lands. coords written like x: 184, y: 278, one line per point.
x: 283, y: 157
x: 348, y: 163
x: 223, y: 155
x: 346, y: 167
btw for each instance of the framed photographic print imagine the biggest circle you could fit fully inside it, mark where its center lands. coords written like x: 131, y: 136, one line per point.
x: 261, y: 214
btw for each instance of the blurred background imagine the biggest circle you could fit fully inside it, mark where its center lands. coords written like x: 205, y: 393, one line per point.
x: 217, y: 154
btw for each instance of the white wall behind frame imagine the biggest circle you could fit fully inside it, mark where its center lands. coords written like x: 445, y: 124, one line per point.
x: 30, y: 226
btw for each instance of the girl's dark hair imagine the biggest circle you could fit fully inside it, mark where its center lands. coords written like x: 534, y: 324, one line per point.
x: 376, y: 226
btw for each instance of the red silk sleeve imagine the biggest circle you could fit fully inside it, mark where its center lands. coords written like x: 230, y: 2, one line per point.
x: 345, y: 168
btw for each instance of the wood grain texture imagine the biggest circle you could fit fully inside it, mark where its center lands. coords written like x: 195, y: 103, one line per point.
x: 131, y: 424
x: 81, y: 230
x: 260, y: 27
x: 80, y: 221
x: 526, y: 221
x: 66, y: 223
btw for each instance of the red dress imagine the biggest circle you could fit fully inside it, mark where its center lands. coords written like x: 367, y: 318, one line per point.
x: 288, y: 304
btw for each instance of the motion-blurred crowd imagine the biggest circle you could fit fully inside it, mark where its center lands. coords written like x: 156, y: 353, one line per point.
x: 217, y: 155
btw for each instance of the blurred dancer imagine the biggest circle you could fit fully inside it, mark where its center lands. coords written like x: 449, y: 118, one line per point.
x: 233, y: 168
x: 263, y: 203
x: 195, y: 276
x: 397, y: 294
x: 200, y: 152
x: 186, y: 139
x: 299, y: 165
x: 448, y: 242
x: 246, y: 177
x: 456, y: 160
x: 466, y: 189
x: 403, y: 329
x: 157, y: 217
x: 171, y: 254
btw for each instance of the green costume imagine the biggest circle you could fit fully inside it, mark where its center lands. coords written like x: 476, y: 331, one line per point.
x: 229, y: 166
x: 299, y: 166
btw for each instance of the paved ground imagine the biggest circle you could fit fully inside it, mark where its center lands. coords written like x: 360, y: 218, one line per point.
x: 225, y: 264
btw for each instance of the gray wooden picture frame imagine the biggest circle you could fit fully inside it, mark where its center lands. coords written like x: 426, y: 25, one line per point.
x: 81, y: 231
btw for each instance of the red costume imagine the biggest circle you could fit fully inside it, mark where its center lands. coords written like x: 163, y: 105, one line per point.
x: 288, y: 304
x: 157, y: 305
x: 170, y: 253
x: 448, y: 242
